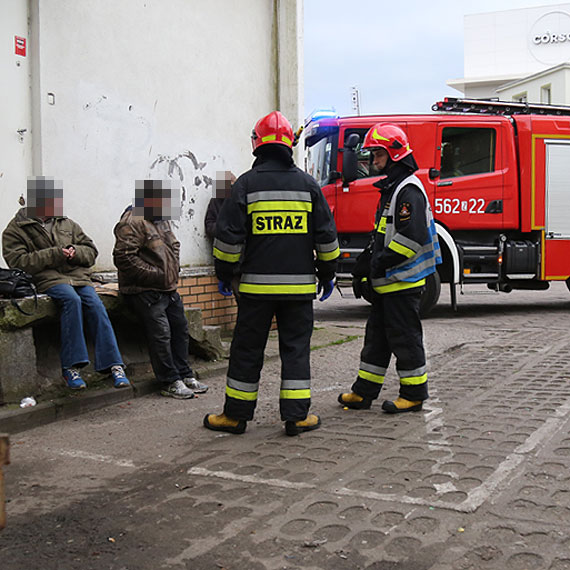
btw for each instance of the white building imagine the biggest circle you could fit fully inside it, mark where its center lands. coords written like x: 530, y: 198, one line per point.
x: 518, y: 55
x: 102, y: 93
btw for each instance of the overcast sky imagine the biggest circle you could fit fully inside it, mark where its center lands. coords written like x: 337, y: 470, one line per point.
x: 398, y: 54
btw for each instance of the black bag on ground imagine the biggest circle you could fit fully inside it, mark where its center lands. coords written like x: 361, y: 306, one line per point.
x: 16, y: 284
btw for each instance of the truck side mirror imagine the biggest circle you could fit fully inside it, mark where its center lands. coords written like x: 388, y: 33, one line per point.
x: 350, y: 158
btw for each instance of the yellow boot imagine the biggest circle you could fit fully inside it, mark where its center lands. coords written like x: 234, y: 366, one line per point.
x: 400, y: 405
x: 354, y: 401
x: 224, y: 423
x: 311, y: 422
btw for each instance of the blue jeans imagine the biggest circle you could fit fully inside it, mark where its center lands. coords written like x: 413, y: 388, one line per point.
x: 73, y: 303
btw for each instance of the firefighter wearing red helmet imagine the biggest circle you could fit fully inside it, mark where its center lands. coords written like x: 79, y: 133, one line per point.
x: 405, y: 251
x: 278, y: 229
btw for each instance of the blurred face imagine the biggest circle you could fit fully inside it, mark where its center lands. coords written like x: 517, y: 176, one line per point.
x: 156, y: 200
x: 44, y: 197
x: 223, y: 184
x: 49, y: 207
x: 380, y: 158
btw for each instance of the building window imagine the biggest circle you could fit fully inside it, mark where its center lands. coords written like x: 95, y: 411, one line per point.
x: 521, y: 97
x: 466, y: 151
x: 546, y: 94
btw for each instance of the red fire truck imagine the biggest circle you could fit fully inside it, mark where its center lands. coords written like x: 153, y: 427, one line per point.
x: 498, y: 178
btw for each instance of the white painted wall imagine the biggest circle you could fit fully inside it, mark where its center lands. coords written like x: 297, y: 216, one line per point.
x: 558, y: 80
x: 15, y: 109
x: 504, y: 46
x: 149, y: 88
x: 503, y: 43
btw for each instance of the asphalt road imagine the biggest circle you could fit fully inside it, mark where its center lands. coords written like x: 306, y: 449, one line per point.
x: 480, y: 479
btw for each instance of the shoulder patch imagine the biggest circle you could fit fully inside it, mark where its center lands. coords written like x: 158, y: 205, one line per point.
x: 405, y: 211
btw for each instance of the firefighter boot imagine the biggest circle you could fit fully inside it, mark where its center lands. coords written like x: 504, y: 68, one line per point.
x: 224, y: 423
x: 354, y: 401
x: 400, y: 405
x: 311, y: 422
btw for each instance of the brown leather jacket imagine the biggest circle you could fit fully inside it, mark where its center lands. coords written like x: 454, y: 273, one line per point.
x: 146, y: 253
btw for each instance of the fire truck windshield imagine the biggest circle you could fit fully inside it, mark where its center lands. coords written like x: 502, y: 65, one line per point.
x: 318, y: 160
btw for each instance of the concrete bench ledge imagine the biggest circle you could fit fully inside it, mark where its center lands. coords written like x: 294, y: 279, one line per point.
x: 29, y: 345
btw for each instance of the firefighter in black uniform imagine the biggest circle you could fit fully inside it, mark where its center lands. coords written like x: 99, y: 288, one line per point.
x: 278, y: 225
x: 405, y: 251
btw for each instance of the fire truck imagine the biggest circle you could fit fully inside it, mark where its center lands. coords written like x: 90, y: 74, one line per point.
x: 498, y: 178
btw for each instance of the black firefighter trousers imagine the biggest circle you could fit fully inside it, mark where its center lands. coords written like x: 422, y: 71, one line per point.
x: 393, y: 327
x: 295, y: 326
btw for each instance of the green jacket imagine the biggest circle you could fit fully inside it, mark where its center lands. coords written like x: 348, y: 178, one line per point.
x: 28, y: 246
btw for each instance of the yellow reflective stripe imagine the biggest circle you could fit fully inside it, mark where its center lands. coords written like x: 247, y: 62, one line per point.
x: 328, y: 255
x: 371, y: 377
x: 239, y: 395
x: 295, y: 394
x: 278, y: 205
x: 264, y: 288
x: 378, y: 137
x: 402, y: 249
x: 269, y: 138
x: 381, y: 226
x: 230, y: 257
x: 398, y: 286
x: 414, y: 380
x: 286, y: 140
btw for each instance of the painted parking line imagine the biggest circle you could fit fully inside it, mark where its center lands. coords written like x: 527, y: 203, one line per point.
x: 475, y: 498
x: 96, y: 457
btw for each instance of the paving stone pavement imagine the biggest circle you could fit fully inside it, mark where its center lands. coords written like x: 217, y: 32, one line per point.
x: 480, y: 479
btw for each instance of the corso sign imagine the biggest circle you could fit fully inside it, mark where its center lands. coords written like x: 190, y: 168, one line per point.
x: 549, y: 38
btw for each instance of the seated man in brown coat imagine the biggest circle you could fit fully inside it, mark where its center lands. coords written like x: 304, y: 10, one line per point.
x: 146, y: 254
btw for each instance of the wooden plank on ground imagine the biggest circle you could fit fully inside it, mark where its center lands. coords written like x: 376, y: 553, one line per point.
x: 4, y: 460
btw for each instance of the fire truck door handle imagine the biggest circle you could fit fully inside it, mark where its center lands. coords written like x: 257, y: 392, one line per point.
x: 445, y: 183
x: 494, y: 207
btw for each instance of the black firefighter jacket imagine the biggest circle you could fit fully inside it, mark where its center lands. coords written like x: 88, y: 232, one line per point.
x: 279, y: 225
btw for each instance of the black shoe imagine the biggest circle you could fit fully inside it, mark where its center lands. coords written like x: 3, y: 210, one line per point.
x: 311, y: 422
x: 354, y: 401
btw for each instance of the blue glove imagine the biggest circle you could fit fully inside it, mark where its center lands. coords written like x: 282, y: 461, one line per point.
x: 327, y: 288
x: 225, y: 288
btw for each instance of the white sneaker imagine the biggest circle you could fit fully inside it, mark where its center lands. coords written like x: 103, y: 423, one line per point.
x: 177, y: 390
x: 195, y: 386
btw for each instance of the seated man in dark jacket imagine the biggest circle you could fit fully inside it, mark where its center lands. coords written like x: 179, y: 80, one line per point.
x: 147, y: 256
x: 54, y: 250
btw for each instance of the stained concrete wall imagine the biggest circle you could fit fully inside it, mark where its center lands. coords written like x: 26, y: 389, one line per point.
x: 146, y: 88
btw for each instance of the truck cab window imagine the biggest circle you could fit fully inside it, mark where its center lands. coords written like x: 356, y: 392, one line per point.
x: 467, y: 151
x: 365, y: 167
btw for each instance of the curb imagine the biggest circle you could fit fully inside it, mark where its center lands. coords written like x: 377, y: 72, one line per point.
x: 23, y: 419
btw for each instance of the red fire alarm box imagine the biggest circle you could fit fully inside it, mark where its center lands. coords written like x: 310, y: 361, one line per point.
x: 20, y: 46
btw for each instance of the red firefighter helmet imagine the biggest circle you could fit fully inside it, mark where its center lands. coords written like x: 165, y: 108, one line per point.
x: 272, y: 129
x: 389, y: 137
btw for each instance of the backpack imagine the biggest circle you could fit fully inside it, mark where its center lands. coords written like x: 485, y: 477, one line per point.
x: 16, y: 284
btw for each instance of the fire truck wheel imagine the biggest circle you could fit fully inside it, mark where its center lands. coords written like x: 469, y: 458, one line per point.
x: 568, y: 283
x: 430, y: 294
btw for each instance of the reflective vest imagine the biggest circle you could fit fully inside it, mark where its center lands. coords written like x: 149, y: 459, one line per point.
x: 422, y: 258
